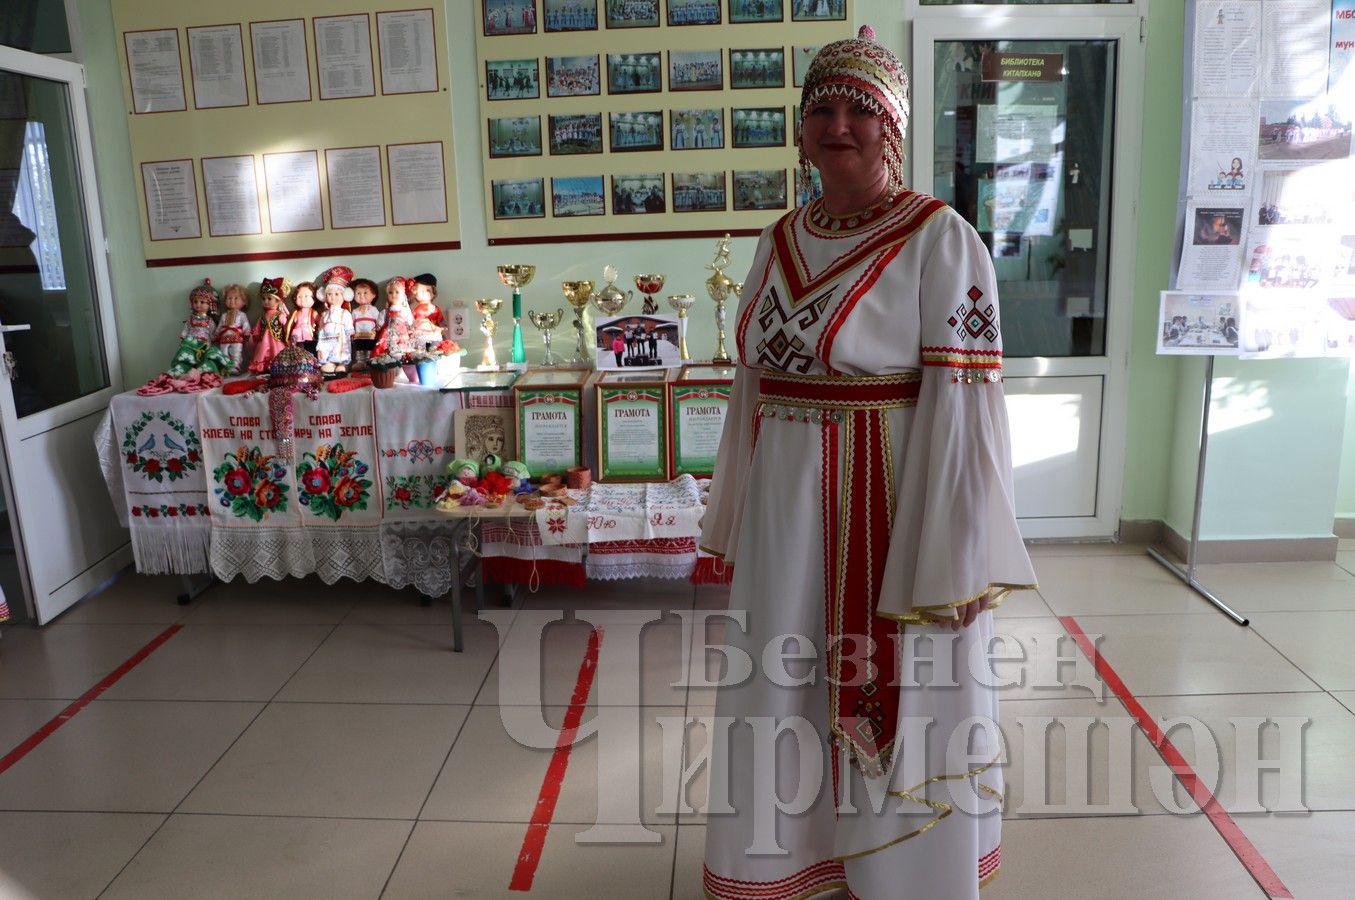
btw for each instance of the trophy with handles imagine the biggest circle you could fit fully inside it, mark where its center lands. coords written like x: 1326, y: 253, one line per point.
x: 719, y: 286
x: 517, y: 277
x: 487, y: 307
x: 649, y: 285
x: 682, y: 303
x: 611, y: 299
x: 545, y: 323
x: 578, y: 294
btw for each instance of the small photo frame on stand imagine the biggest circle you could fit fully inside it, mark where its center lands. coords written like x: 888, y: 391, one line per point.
x: 637, y: 341
x: 632, y: 423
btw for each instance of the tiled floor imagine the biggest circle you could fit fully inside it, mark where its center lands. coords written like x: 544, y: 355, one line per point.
x: 294, y: 740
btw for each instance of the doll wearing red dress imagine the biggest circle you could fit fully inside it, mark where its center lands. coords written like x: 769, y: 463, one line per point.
x: 270, y: 331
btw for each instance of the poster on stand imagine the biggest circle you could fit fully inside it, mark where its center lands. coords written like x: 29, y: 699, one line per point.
x: 1198, y: 324
x: 632, y: 426
x: 1227, y: 51
x: 638, y: 341
x: 1223, y: 139
x: 1211, y: 258
x: 1295, y: 47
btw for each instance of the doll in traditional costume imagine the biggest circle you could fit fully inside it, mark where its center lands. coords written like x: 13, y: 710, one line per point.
x: 367, y: 320
x: 233, y: 329
x: 196, y: 350
x: 304, y: 321
x: 270, y: 331
x: 397, y: 325
x: 427, y: 316
x: 334, y: 339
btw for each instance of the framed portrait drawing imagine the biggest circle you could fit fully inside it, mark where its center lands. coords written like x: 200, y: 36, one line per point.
x: 482, y: 431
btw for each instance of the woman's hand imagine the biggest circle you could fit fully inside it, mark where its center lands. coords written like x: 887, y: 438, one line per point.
x: 965, y: 615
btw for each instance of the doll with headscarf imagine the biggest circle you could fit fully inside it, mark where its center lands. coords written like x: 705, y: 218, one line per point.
x: 196, y: 350
x: 270, y: 332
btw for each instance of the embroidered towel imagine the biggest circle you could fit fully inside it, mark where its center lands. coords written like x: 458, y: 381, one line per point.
x: 414, y: 433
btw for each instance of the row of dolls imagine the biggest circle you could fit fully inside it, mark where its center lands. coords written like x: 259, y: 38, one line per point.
x: 344, y: 335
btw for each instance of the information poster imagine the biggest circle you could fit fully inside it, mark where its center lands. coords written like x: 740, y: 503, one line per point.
x: 1199, y: 323
x: 171, y: 199
x: 698, y: 410
x: 155, y: 70
x: 550, y: 419
x: 1227, y: 52
x: 218, y: 65
x: 282, y: 71
x: 632, y: 432
x: 321, y: 127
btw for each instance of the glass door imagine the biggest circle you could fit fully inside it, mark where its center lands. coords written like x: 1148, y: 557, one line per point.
x: 58, y: 359
x: 1027, y: 127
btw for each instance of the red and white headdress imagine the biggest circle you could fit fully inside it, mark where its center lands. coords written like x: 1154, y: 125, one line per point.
x: 339, y: 275
x: 205, y: 291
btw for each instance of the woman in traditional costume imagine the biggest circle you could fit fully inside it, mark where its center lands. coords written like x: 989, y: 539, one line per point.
x: 863, y: 493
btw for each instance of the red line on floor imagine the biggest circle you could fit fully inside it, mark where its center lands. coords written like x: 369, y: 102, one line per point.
x: 530, y: 855
x: 1227, y: 828
x: 88, y: 697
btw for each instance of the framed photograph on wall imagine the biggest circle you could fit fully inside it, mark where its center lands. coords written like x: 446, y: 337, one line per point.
x: 637, y: 194
x: 633, y: 14
x: 818, y: 10
x: 512, y: 79
x: 763, y: 126
x: 573, y: 76
x: 695, y: 70
x: 697, y: 129
x: 515, y: 136
x: 570, y: 15
x: 757, y: 68
x: 699, y: 192
x: 634, y: 73
x: 743, y: 11
x: 694, y: 12
x: 575, y: 133
x: 760, y: 189
x: 518, y: 199
x: 509, y: 17
x: 632, y: 131
x: 579, y: 195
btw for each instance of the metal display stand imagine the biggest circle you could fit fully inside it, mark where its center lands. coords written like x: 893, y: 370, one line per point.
x: 1187, y: 573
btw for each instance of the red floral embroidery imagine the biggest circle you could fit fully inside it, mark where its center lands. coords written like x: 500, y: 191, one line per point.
x: 316, y: 481
x: 267, y: 494
x: 238, y: 482
x: 347, y: 492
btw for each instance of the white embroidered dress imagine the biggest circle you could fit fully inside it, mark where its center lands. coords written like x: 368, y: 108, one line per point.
x: 864, y: 486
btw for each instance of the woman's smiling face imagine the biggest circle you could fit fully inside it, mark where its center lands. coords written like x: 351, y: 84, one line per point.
x: 844, y: 140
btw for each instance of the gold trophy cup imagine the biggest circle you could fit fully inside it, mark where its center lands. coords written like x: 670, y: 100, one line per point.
x: 649, y: 285
x: 682, y: 303
x: 546, y: 322
x: 719, y: 286
x: 487, y: 307
x: 577, y: 294
x: 611, y: 298
x: 517, y: 277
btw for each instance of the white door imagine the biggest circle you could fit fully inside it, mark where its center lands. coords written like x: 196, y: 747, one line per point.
x: 60, y: 364
x: 1027, y: 122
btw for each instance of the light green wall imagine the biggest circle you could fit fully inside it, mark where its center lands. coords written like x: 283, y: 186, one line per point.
x: 1345, y: 488
x: 1159, y: 472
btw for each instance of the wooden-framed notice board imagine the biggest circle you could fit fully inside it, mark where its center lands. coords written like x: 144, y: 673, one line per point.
x: 268, y: 131
x: 637, y: 119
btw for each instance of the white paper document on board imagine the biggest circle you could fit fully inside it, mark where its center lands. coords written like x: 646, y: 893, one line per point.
x: 232, y: 192
x: 408, y: 51
x: 293, y: 181
x: 418, y: 191
x: 281, y: 70
x: 1223, y: 136
x: 171, y: 199
x: 1227, y: 49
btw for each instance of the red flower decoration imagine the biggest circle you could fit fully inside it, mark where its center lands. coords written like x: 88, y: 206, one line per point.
x: 152, y: 466
x: 131, y: 459
x: 237, y: 482
x: 190, y: 510
x: 404, y: 452
x: 172, y: 512
x: 192, y: 456
x: 267, y: 494
x: 175, y: 465
x: 316, y: 480
x: 136, y: 511
x: 556, y: 524
x: 403, y: 495
x: 347, y: 492
x: 152, y: 512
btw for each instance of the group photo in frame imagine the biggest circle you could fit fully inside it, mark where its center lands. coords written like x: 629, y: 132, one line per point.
x: 760, y: 189
x: 742, y: 11
x: 575, y: 133
x: 695, y: 70
x: 699, y: 192
x: 580, y: 195
x: 634, y: 73
x: 694, y: 12
x: 818, y: 10
x: 573, y: 76
x: 757, y: 68
x: 520, y: 198
x: 635, y: 131
x: 570, y: 15
x: 509, y: 17
x: 697, y: 129
x: 632, y: 13
x: 512, y: 79
x: 638, y: 194
x: 480, y: 431
x: 637, y: 341
x: 515, y: 136
x: 762, y: 126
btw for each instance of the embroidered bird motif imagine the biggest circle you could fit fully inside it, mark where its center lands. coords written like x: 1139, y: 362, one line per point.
x: 172, y: 444
x: 148, y: 444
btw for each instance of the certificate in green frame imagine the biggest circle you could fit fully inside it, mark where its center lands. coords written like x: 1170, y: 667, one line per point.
x: 632, y: 427
x: 550, y: 419
x: 698, y: 400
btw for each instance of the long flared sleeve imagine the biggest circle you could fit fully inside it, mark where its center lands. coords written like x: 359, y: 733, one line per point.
x: 955, y: 535
x: 729, y: 483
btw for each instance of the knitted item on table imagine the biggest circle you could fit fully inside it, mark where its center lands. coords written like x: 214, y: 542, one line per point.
x: 861, y: 71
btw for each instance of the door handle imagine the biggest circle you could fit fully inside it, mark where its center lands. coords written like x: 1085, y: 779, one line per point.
x: 8, y: 328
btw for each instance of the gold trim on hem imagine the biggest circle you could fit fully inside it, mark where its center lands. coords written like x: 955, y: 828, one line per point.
x: 923, y: 615
x: 945, y: 808
x: 709, y: 552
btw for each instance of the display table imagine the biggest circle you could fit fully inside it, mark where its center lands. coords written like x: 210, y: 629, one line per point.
x: 196, y: 479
